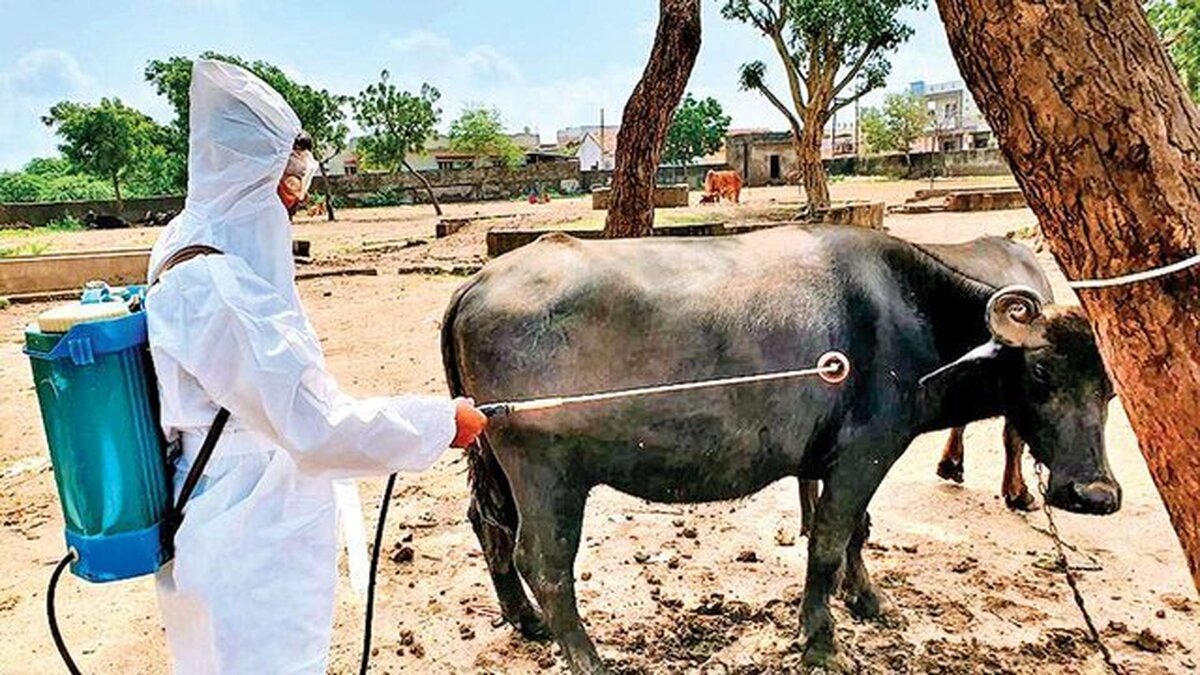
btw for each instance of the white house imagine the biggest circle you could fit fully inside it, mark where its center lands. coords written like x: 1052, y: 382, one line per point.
x: 596, y: 154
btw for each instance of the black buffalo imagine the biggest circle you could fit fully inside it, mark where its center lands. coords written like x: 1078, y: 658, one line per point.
x: 932, y: 346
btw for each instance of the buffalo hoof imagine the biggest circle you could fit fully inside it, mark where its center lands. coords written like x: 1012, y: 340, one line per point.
x: 531, y: 626
x: 1021, y: 502
x: 950, y: 470
x: 826, y: 661
x: 870, y: 604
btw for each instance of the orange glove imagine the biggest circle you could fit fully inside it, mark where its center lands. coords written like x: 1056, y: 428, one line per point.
x: 469, y: 420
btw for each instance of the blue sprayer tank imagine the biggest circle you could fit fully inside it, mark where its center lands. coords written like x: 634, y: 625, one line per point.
x: 95, y: 386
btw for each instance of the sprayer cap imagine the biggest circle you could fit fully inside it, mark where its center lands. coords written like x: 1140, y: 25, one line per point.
x: 60, y: 319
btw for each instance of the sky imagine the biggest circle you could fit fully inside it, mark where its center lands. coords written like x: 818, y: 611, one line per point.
x: 544, y: 64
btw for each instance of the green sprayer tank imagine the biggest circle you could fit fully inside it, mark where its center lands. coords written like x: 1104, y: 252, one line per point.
x: 95, y: 386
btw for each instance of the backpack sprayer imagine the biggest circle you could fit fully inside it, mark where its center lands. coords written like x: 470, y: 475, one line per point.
x: 99, y: 404
x: 96, y: 390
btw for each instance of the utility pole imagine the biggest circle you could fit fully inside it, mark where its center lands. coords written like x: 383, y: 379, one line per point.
x: 833, y: 137
x: 602, y: 138
x: 856, y: 145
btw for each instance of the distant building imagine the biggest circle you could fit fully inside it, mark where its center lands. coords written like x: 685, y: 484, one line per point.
x: 598, y: 151
x: 839, y: 138
x: 956, y: 120
x: 761, y: 157
x: 345, y: 163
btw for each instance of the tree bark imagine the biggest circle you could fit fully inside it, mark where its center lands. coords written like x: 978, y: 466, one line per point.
x: 1106, y: 147
x: 812, y: 169
x: 648, y: 115
x: 437, y: 207
x: 116, y: 181
x: 328, y: 194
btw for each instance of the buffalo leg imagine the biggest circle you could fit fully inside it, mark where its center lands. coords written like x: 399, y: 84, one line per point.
x: 951, y: 466
x: 547, y: 541
x: 498, y: 542
x: 809, y: 491
x: 840, y: 512
x: 1016, y: 493
x: 863, y: 597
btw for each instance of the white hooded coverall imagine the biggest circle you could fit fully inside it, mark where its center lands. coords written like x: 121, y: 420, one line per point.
x: 251, y: 588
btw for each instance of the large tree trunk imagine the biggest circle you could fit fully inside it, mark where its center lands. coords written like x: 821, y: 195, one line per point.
x: 812, y: 169
x: 437, y: 207
x: 648, y: 115
x: 1106, y: 146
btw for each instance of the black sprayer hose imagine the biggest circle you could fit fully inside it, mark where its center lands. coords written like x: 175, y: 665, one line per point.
x: 383, y: 509
x: 54, y: 632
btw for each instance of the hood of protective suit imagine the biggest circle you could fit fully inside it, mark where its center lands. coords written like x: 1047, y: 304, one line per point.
x: 242, y: 132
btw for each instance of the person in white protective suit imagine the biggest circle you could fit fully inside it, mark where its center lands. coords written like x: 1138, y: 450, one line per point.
x: 252, y: 585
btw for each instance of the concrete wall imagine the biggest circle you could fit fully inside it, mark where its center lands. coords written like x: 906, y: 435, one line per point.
x: 751, y: 155
x: 665, y: 197
x: 987, y: 162
x: 29, y: 274
x: 667, y: 175
x: 463, y: 184
x: 40, y: 213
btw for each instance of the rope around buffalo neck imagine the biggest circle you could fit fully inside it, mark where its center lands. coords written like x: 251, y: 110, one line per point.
x: 1135, y: 277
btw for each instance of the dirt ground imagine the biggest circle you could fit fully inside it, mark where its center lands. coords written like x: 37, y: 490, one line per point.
x: 661, y: 587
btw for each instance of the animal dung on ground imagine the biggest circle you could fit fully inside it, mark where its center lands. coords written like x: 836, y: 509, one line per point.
x: 785, y: 536
x: 403, y: 554
x: 747, y: 556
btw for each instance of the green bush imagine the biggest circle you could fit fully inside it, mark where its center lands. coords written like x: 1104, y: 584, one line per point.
x: 65, y: 224
x: 50, y: 180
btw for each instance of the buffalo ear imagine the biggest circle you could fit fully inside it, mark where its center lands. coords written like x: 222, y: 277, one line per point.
x: 963, y: 391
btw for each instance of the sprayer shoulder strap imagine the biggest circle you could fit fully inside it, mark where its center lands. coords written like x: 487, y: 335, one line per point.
x: 197, y: 468
x: 218, y: 424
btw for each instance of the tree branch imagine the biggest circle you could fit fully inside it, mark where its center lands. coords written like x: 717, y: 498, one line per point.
x: 772, y: 20
x: 867, y: 53
x: 778, y: 103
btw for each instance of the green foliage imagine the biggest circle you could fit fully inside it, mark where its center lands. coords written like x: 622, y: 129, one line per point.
x: 902, y: 121
x: 106, y: 141
x: 839, y: 48
x: 55, y: 179
x: 479, y: 131
x: 1178, y: 24
x: 395, y: 123
x: 51, y: 179
x: 67, y: 223
x: 697, y: 129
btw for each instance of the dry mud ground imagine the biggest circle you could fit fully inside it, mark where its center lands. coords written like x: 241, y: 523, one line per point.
x: 973, y: 581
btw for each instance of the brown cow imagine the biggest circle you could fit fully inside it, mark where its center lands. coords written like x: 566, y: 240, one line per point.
x: 726, y: 184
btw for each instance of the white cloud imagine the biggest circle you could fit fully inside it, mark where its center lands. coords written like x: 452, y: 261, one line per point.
x: 437, y: 56
x: 421, y: 42
x: 34, y: 82
x: 44, y: 71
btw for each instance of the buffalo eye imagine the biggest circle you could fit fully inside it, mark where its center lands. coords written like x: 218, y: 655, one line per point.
x: 1041, y: 374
